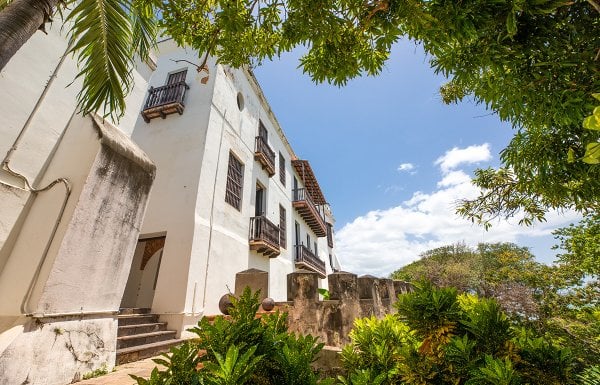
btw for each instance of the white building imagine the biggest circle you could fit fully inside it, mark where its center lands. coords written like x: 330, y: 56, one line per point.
x: 229, y: 194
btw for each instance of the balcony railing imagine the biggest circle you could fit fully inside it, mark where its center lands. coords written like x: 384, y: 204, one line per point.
x: 265, y: 155
x: 165, y: 100
x: 313, y: 215
x: 305, y: 259
x: 264, y: 236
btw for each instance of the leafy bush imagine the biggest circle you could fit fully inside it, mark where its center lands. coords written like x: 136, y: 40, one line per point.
x: 373, y: 357
x: 441, y: 338
x: 590, y: 376
x: 240, y: 350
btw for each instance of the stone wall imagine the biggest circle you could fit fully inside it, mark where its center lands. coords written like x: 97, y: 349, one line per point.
x: 350, y: 297
x: 59, y: 321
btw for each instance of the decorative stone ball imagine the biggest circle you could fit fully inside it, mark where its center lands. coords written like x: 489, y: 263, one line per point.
x: 268, y: 304
x: 225, y: 304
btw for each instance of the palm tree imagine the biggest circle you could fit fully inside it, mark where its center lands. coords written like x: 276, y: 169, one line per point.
x: 106, y: 35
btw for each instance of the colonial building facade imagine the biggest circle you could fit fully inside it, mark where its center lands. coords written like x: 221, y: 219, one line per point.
x: 230, y: 193
x: 196, y: 183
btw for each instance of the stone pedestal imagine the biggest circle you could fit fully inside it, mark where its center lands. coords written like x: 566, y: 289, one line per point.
x: 255, y: 279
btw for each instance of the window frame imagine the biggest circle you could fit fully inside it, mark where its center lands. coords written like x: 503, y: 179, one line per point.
x: 234, y: 188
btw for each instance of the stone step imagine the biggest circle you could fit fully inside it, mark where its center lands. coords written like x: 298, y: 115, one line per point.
x: 134, y: 310
x: 145, y: 338
x: 129, y: 330
x: 137, y: 353
x: 137, y: 319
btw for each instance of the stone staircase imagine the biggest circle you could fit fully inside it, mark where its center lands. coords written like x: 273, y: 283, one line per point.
x: 140, y: 335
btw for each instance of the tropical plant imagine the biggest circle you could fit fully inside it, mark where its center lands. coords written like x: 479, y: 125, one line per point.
x: 374, y: 354
x: 241, y: 349
x: 462, y: 340
x: 590, y: 376
x: 106, y: 35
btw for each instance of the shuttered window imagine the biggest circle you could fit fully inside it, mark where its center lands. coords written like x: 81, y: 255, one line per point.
x: 282, y: 169
x: 329, y: 235
x: 282, y: 228
x: 235, y: 179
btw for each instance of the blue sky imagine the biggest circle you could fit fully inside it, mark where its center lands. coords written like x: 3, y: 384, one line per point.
x: 392, y: 159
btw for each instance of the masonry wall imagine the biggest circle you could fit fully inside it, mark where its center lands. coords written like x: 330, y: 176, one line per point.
x: 207, y: 238
x: 351, y: 297
x: 62, y: 290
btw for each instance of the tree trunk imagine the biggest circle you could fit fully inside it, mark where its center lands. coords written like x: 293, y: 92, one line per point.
x: 18, y: 22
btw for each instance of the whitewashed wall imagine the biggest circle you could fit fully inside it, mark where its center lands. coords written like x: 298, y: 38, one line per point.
x: 206, y: 238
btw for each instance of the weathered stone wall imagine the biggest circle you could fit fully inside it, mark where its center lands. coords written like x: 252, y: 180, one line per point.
x: 61, y: 323
x: 350, y: 297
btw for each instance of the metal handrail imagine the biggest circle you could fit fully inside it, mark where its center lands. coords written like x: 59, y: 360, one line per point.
x: 167, y: 94
x: 263, y: 146
x: 263, y: 229
x: 301, y: 194
x: 304, y: 255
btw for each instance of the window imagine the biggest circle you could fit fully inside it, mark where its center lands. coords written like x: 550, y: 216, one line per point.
x: 308, y: 241
x: 329, y: 235
x: 177, y: 77
x: 282, y: 228
x: 259, y: 204
x: 262, y: 131
x: 316, y: 249
x: 235, y: 178
x: 282, y: 169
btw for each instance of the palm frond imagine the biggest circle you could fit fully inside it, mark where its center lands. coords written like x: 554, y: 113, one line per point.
x: 102, y: 37
x: 145, y: 28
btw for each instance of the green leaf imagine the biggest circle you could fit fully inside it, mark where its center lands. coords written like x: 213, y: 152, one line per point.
x: 592, y: 122
x: 571, y: 156
x: 102, y: 38
x: 511, y: 23
x: 592, y: 153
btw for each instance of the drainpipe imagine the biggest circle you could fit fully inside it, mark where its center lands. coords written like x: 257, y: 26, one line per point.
x: 27, y: 185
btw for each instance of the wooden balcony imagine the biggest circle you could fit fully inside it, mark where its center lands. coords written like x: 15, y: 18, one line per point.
x: 305, y: 259
x: 164, y: 100
x: 312, y: 214
x: 265, y: 155
x: 264, y: 236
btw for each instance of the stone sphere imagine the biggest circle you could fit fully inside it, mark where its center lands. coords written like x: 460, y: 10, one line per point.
x: 225, y: 304
x: 268, y: 304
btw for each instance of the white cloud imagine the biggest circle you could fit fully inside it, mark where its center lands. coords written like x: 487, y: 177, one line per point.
x: 454, y: 178
x: 382, y: 241
x: 469, y: 155
x: 406, y: 167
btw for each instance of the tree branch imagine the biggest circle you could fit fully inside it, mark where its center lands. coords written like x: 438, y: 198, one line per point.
x: 594, y: 4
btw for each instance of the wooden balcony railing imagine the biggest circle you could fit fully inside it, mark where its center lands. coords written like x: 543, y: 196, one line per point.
x: 305, y: 259
x: 265, y: 155
x: 313, y: 215
x: 165, y: 100
x: 264, y: 236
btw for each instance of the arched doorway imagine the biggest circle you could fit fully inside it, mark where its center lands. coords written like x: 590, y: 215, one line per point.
x: 141, y: 283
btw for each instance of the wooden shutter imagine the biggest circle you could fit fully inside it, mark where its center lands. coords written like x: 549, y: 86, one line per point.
x: 235, y: 177
x: 282, y: 228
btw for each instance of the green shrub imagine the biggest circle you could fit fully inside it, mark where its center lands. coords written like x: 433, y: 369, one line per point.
x: 441, y: 338
x: 375, y: 351
x: 240, y: 350
x: 590, y: 376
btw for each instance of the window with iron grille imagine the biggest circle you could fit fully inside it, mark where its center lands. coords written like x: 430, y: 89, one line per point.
x: 235, y: 178
x: 282, y: 228
x: 282, y: 169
